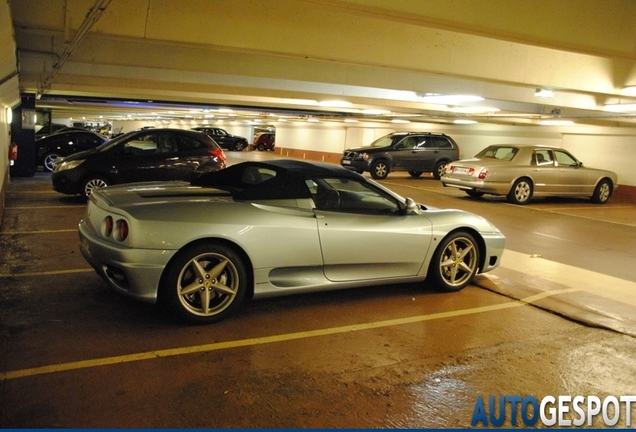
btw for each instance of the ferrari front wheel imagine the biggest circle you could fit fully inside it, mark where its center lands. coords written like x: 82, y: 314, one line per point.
x: 204, y: 284
x: 455, y: 262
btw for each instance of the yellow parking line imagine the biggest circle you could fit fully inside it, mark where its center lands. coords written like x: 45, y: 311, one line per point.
x: 39, y: 231
x: 266, y: 339
x: 32, y: 192
x: 44, y: 207
x: 47, y: 273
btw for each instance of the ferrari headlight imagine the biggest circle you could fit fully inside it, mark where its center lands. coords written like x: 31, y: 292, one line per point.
x: 69, y: 165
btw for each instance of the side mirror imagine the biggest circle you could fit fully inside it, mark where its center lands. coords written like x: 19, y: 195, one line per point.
x: 411, y: 207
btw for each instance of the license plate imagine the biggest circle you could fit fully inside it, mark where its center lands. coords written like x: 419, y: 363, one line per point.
x: 462, y: 170
x: 346, y: 162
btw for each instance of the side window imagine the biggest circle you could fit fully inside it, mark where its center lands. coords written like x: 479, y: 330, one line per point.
x: 407, y: 143
x: 543, y: 157
x: 186, y: 143
x: 440, y: 142
x: 564, y: 158
x: 87, y: 140
x: 150, y: 143
x: 220, y: 132
x: 256, y: 175
x: 421, y: 141
x: 351, y: 196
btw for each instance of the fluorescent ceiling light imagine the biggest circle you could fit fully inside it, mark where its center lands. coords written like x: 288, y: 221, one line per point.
x: 312, y: 120
x: 450, y: 99
x: 335, y: 103
x: 375, y: 112
x: 544, y: 93
x: 351, y: 121
x: 299, y: 101
x: 629, y: 91
x: 556, y: 122
x: 464, y: 121
x: 399, y: 121
x: 474, y: 110
x: 620, y: 108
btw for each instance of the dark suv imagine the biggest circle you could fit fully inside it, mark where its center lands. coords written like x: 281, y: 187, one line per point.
x: 415, y: 152
x: 224, y: 139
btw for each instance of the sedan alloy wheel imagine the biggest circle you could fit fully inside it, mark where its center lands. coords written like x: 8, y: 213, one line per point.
x: 49, y: 161
x: 521, y: 192
x: 602, y: 192
x: 93, y: 183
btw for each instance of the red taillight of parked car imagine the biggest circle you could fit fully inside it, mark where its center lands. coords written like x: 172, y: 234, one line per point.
x: 482, y: 174
x: 218, y: 153
x: 108, y: 226
x: 122, y: 230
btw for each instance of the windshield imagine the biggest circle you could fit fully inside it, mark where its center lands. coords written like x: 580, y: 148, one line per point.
x: 498, y: 152
x: 385, y: 141
x: 112, y: 143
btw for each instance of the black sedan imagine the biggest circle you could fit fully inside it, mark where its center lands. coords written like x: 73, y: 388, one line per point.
x: 52, y: 147
x: 138, y: 156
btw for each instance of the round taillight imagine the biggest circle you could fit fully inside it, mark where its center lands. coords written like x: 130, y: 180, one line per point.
x: 108, y: 226
x: 122, y: 230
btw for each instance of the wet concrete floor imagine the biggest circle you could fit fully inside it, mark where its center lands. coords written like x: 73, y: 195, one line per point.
x: 557, y: 318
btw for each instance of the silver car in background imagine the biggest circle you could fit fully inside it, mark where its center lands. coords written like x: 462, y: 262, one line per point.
x: 259, y: 229
x: 520, y: 172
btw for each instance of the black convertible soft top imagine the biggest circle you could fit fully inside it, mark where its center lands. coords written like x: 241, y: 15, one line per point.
x: 287, y: 183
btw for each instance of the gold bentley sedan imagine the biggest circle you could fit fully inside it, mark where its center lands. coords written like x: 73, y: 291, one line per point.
x: 520, y: 172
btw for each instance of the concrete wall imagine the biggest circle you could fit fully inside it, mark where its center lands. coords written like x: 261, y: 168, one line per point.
x: 5, y: 140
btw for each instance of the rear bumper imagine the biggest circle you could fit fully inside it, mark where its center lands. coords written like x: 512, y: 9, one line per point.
x: 132, y: 272
x: 492, y: 188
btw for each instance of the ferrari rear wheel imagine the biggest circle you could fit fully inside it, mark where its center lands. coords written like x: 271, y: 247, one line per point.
x: 455, y: 262
x: 204, y: 284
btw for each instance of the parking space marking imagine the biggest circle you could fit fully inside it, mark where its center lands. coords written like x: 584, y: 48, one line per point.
x: 32, y: 192
x: 44, y: 207
x: 39, y: 231
x: 150, y: 355
x: 47, y: 273
x: 599, y: 284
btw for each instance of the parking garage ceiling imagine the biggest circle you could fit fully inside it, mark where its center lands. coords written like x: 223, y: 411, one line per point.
x: 331, y: 59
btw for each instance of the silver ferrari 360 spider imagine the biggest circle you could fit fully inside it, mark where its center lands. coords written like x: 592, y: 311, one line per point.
x: 259, y: 229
